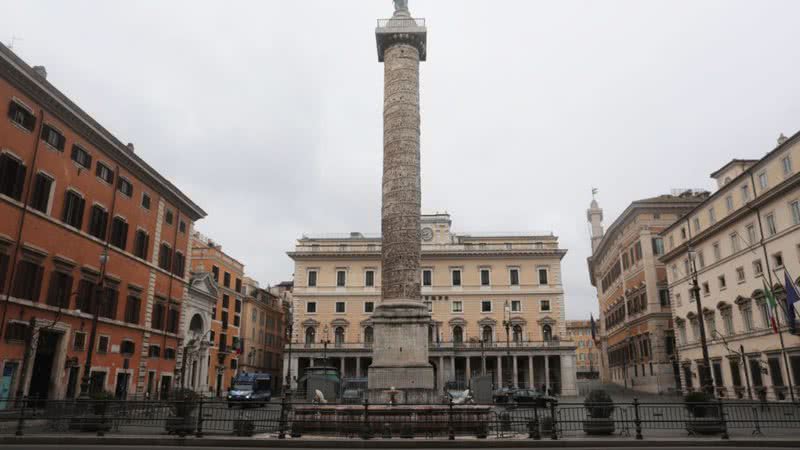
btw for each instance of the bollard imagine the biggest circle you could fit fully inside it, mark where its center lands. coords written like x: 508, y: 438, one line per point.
x: 637, y: 419
x: 756, y: 421
x: 365, y: 433
x: 199, y: 432
x: 553, y: 432
x: 722, y: 420
x: 282, y: 423
x: 451, y: 434
x: 537, y: 435
x: 21, y: 422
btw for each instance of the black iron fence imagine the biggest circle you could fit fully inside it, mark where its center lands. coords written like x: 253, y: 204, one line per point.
x: 281, y: 419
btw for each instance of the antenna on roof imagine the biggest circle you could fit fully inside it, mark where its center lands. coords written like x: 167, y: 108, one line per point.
x: 14, y: 39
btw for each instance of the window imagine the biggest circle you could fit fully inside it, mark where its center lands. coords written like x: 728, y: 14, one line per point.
x: 487, y: 334
x: 341, y: 278
x: 127, y: 347
x: 98, y: 220
x: 84, y: 296
x: 108, y: 303
x: 42, y: 185
x: 340, y: 307
x: 735, y: 244
x: 215, y: 272
x: 658, y: 246
x: 683, y: 231
x: 671, y: 242
x: 696, y: 223
x: 79, y: 341
x: 140, y: 244
x: 712, y: 216
x: 663, y: 296
x: 369, y: 307
x: 547, y: 333
x: 168, y: 217
x: 758, y: 268
x: 182, y: 226
x: 458, y: 335
x: 104, y: 173
x: 312, y: 278
x: 513, y: 275
x: 786, y: 163
x: 165, y: 257
x: 711, y: 325
x: 456, y: 277
x: 727, y: 321
x: 795, y: 205
x: 747, y: 318
x: 226, y: 301
x: 73, y: 209
x: 457, y: 306
x: 771, y: 228
x: 172, y: 320
x: 427, y: 275
x: 132, y: 309
x: 145, y: 201
x: 777, y: 259
x: 706, y: 288
x: 311, y: 307
x: 119, y: 232
x: 543, y: 276
x: 740, y: 274
x: 237, y: 308
x: 21, y: 116
x: 369, y: 278
x: 485, y: 277
x: 751, y: 234
x: 125, y: 186
x: 102, y: 344
x: 516, y: 306
x: 224, y: 319
x: 12, y: 176
x: 169, y: 353
x: 486, y: 306
x: 701, y: 259
x: 179, y: 265
x: 745, y: 193
x: 544, y: 305
x: 721, y: 280
x: 729, y: 203
x: 717, y: 251
x: 60, y: 289
x: 28, y: 281
x: 226, y: 280
x: 762, y: 180
x: 53, y: 138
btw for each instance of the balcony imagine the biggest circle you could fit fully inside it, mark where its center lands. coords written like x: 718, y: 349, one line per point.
x: 444, y: 346
x: 398, y: 22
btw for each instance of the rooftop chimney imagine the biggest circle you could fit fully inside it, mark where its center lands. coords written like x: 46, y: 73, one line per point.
x: 41, y: 71
x: 782, y: 139
x: 130, y: 147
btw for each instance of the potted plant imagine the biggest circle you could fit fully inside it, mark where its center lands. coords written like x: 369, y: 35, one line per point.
x: 96, y: 410
x: 182, y: 405
x: 704, y: 414
x: 599, y: 406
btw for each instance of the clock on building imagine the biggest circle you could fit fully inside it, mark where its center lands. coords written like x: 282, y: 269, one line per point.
x: 427, y: 234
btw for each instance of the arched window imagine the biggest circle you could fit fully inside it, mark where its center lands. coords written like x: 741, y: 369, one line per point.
x: 311, y: 335
x: 487, y: 334
x: 196, y: 325
x: 547, y: 333
x: 339, y: 336
x: 458, y: 335
x: 368, y: 337
x: 430, y: 334
x: 517, y: 334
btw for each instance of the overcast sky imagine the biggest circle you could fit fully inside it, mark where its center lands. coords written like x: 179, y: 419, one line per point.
x: 268, y: 113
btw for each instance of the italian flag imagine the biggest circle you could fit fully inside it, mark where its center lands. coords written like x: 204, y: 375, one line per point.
x: 772, y: 306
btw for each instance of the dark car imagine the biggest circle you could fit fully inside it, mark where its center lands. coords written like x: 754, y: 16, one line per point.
x: 530, y: 397
x: 503, y: 395
x: 250, y: 388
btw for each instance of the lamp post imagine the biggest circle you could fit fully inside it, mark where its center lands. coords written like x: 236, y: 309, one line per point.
x: 483, y: 357
x: 325, y: 342
x: 95, y: 309
x: 290, y: 335
x: 705, y: 372
x: 507, y: 325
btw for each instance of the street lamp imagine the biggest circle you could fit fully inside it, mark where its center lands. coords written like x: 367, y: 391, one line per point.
x: 507, y: 324
x: 290, y: 334
x: 325, y: 342
x: 95, y: 309
x: 705, y: 372
x: 483, y: 357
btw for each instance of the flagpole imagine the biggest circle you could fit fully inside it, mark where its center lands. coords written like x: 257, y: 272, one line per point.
x: 780, y: 335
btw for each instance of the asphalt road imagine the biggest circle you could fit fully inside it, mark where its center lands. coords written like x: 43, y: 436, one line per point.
x: 63, y: 447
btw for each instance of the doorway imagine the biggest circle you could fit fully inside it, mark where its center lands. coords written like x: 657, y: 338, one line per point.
x: 72, y: 382
x: 166, y: 382
x: 121, y: 391
x: 7, y: 379
x: 219, y: 384
x: 42, y: 373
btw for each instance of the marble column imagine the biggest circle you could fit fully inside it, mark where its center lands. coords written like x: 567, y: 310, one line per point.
x: 547, y: 372
x: 499, y: 371
x: 514, y: 374
x: 440, y: 374
x: 358, y: 366
x: 469, y: 371
x: 453, y: 368
x: 530, y: 372
x: 342, y: 366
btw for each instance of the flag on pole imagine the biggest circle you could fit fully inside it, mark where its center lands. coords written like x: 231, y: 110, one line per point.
x: 791, y: 298
x: 594, y: 327
x: 772, y: 306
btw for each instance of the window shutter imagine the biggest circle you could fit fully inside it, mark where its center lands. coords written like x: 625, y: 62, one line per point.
x: 3, y: 272
x: 81, y: 204
x: 97, y: 170
x: 52, y: 292
x: 124, y: 240
x: 30, y: 122
x: 67, y: 292
x: 37, y: 283
x: 12, y: 110
x: 61, y: 141
x: 19, y: 182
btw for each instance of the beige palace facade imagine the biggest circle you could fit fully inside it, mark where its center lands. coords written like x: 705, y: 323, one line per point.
x: 745, y: 235
x: 474, y: 287
x: 635, y: 326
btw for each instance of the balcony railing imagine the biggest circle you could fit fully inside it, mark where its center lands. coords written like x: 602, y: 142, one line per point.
x: 455, y: 346
x: 395, y: 22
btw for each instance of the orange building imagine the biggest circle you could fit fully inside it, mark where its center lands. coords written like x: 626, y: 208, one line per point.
x: 225, y: 348
x: 263, y: 333
x: 71, y: 192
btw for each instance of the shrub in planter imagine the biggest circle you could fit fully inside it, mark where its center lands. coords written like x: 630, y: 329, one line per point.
x: 94, y: 417
x: 101, y: 401
x: 244, y: 427
x: 183, y: 404
x: 705, y: 414
x: 599, y: 405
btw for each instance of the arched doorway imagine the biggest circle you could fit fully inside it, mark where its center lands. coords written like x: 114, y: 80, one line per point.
x: 338, y: 336
x: 311, y: 335
x: 517, y: 334
x: 547, y: 333
x: 368, y: 336
x: 487, y: 334
x: 458, y: 335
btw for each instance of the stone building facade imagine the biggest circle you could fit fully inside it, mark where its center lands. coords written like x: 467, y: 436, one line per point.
x: 635, y: 326
x: 745, y: 236
x: 587, y: 354
x: 472, y: 284
x: 226, y: 314
x: 85, y: 225
x: 263, y: 332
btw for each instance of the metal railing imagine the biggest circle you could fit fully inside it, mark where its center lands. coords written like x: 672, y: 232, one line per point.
x: 281, y: 417
x: 396, y: 22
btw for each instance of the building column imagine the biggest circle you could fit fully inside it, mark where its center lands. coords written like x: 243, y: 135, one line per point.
x: 514, y: 374
x: 546, y: 372
x: 440, y: 374
x: 342, y: 367
x: 483, y: 365
x: 358, y: 366
x: 530, y: 372
x: 469, y: 371
x: 499, y: 371
x: 568, y: 385
x: 452, y: 368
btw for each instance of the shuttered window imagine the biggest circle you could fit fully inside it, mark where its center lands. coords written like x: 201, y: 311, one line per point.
x: 104, y: 173
x: 83, y: 299
x: 98, y: 222
x: 12, y: 176
x: 73, y: 209
x: 81, y: 156
x: 58, y: 294
x: 40, y: 199
x: 132, y: 309
x: 119, y: 233
x: 28, y: 281
x: 125, y: 186
x: 108, y: 303
x: 3, y: 272
x: 178, y: 266
x: 21, y: 116
x: 140, y: 244
x: 53, y: 138
x: 165, y: 257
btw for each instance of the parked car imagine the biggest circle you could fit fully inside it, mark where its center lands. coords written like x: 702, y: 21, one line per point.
x: 250, y: 388
x: 530, y: 397
x: 354, y: 390
x: 503, y: 395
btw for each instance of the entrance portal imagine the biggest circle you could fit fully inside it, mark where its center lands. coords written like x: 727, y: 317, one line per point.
x: 42, y: 373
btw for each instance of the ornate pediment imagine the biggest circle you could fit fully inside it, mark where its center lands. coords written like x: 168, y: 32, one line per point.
x: 518, y: 320
x: 310, y: 323
x: 547, y: 320
x: 204, y: 283
x: 487, y: 321
x: 340, y: 323
x: 457, y: 321
x: 741, y: 301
